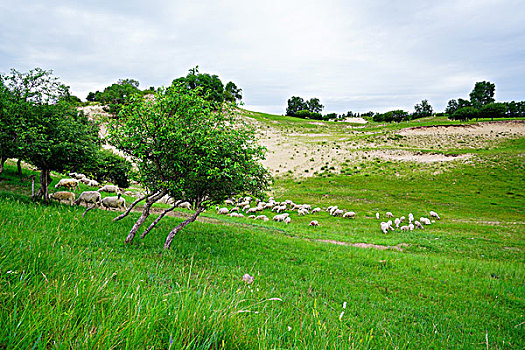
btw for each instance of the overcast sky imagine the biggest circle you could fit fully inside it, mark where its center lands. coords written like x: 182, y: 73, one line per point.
x: 353, y: 55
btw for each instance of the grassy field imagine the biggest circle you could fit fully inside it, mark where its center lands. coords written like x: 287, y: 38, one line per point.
x: 71, y: 282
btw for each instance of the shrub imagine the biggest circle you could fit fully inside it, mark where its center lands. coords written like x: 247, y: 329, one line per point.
x: 465, y: 113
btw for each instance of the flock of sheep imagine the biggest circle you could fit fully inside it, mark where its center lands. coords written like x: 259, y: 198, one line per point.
x: 242, y: 204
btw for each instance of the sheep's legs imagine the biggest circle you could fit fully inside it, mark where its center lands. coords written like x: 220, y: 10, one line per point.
x: 128, y: 210
x: 145, y: 214
x: 158, y: 219
x: 173, y: 232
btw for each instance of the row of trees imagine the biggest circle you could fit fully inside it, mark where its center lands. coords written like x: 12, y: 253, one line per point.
x: 39, y: 124
x: 306, y: 109
x: 421, y: 110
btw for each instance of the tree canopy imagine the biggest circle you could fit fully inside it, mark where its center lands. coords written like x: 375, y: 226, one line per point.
x: 183, y: 146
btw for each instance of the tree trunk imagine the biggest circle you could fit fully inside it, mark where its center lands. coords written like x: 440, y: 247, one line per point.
x: 158, y: 219
x: 2, y: 161
x: 19, y: 167
x: 173, y: 232
x: 45, y: 180
x: 123, y: 215
x: 144, y: 216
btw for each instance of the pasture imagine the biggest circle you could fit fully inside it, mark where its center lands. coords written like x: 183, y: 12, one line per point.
x: 71, y: 282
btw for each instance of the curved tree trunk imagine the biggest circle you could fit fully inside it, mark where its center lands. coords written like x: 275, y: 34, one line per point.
x: 144, y: 216
x: 123, y: 215
x: 173, y: 232
x: 158, y: 219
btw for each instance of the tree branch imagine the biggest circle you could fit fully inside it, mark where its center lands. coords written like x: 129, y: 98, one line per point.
x: 159, y: 218
x: 173, y: 232
x: 126, y: 213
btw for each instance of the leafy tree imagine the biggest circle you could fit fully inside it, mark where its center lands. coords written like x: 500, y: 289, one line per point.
x: 108, y: 166
x: 9, y: 133
x: 314, y: 105
x: 424, y: 109
x: 186, y: 148
x: 392, y: 116
x: 482, y: 94
x: 208, y: 86
x: 295, y: 104
x: 50, y: 133
x: 452, y: 106
x: 232, y: 93
x: 463, y: 103
x: 493, y: 110
x: 465, y: 113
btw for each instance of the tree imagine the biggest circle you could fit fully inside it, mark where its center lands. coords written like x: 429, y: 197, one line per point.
x: 465, y: 113
x: 295, y: 104
x: 232, y: 93
x: 186, y: 148
x: 208, y: 86
x: 9, y: 133
x: 493, y: 110
x: 314, y: 105
x: 424, y: 109
x: 50, y: 133
x: 452, y: 106
x: 482, y: 94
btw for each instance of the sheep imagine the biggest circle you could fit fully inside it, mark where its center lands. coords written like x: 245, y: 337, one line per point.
x: 80, y: 176
x: 418, y: 225
x: 63, y: 196
x: 410, y: 218
x: 243, y: 204
x: 252, y: 210
x: 377, y: 216
x: 87, y: 197
x: 114, y: 202
x: 92, y: 183
x: 349, y: 214
x: 68, y: 183
x: 302, y: 212
x: 287, y: 220
x: 222, y: 211
x: 234, y: 209
x: 404, y: 228
x: 411, y: 227
x: 72, y: 174
x: 389, y: 222
x: 401, y: 219
x: 251, y: 217
x: 109, y: 189
x: 331, y: 208
x: 262, y: 217
x: 384, y: 227
x: 397, y: 222
x: 280, y: 217
x: 425, y: 221
x: 228, y: 202
x: 313, y: 223
x: 389, y: 214
x: 337, y: 212
x: 185, y: 205
x: 433, y: 214
x: 316, y: 210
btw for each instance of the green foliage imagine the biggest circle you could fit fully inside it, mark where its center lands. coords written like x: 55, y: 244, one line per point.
x: 232, y: 93
x: 482, y: 94
x: 297, y: 107
x: 493, y: 110
x: 392, y: 116
x: 116, y: 95
x: 422, y: 110
x: 107, y: 166
x: 452, y: 107
x: 183, y: 145
x: 305, y: 114
x: 465, y: 113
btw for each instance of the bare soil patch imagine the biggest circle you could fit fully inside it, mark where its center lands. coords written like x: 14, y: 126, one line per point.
x: 398, y: 247
x: 483, y: 128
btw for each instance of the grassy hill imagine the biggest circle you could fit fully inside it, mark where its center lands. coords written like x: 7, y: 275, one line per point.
x: 71, y: 282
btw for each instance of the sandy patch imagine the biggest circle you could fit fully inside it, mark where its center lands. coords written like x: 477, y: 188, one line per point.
x: 483, y: 128
x: 355, y: 120
x: 417, y: 157
x: 398, y: 247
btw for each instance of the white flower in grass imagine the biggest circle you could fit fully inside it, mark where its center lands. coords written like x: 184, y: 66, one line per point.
x: 247, y: 278
x: 344, y: 305
x: 289, y: 328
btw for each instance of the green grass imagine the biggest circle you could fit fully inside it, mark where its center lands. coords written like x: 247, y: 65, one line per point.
x: 72, y: 282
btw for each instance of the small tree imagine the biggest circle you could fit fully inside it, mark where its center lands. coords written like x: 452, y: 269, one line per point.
x: 295, y: 104
x: 452, y: 106
x: 493, y: 110
x: 482, y: 94
x: 424, y: 109
x: 185, y: 148
x: 465, y: 113
x: 314, y: 105
x: 232, y: 93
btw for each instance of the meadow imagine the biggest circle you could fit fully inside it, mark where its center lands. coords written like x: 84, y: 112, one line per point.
x: 71, y: 282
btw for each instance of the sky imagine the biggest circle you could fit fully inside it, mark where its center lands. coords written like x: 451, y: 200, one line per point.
x: 359, y: 56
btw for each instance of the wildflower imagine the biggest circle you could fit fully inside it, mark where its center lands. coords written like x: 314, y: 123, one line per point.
x: 247, y: 278
x: 344, y: 305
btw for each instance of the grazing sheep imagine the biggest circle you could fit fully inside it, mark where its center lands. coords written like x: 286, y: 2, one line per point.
x: 251, y: 217
x: 385, y: 227
x: 377, y: 216
x: 425, y: 221
x: 404, y: 228
x: 114, y: 202
x: 88, y: 197
x: 234, y: 209
x: 389, y: 214
x: 418, y: 225
x: 337, y: 212
x: 222, y: 211
x: 313, y: 223
x: 302, y: 212
x: 236, y: 215
x: 72, y: 174
x: 68, y: 183
x: 349, y: 214
x: 252, y: 210
x: 389, y: 222
x: 63, y: 196
x: 229, y: 202
x: 109, y: 189
x: 411, y: 227
x: 280, y: 217
x: 397, y: 222
x: 287, y: 220
x: 92, y: 183
x: 410, y: 218
x: 433, y: 214
x: 401, y: 219
x: 185, y: 205
x: 316, y: 210
x: 262, y: 217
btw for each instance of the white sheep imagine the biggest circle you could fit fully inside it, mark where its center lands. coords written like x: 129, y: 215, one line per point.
x: 261, y: 217
x: 349, y: 214
x: 252, y: 210
x: 377, y: 216
x: 404, y: 228
x: 109, y: 189
x: 397, y: 221
x: 92, y: 183
x: 410, y: 218
x: 389, y: 214
x: 433, y: 214
x: 425, y: 221
x: 411, y: 227
x: 185, y: 205
x: 313, y: 223
x: 418, y: 225
x: 337, y: 212
x: 251, y: 217
x: 302, y: 212
x: 63, y: 196
x: 280, y: 217
x: 114, y: 202
x: 401, y: 219
x: 222, y: 211
x: 88, y: 197
x: 389, y: 222
x: 228, y: 202
x: 234, y: 209
x: 316, y: 210
x: 68, y: 183
x: 287, y: 220
x: 384, y: 227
